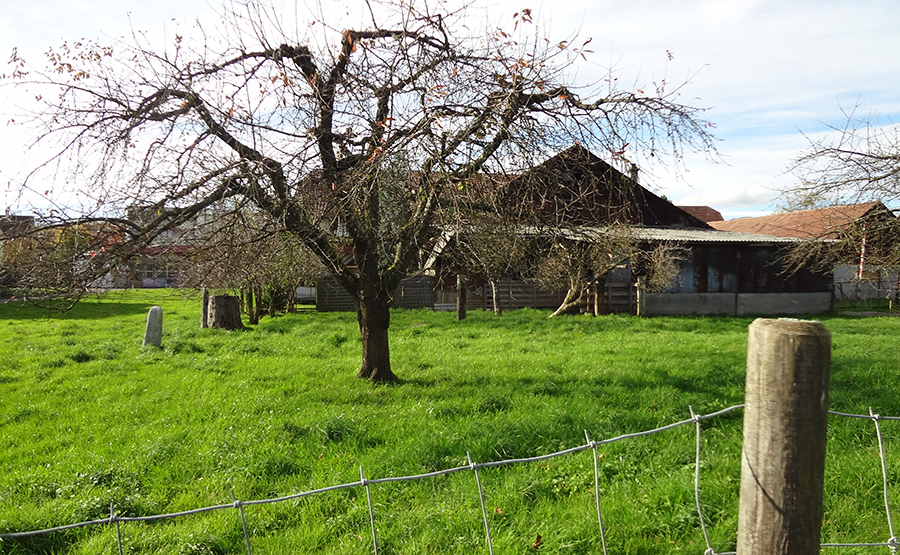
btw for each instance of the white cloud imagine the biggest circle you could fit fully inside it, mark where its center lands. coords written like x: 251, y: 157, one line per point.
x: 730, y: 196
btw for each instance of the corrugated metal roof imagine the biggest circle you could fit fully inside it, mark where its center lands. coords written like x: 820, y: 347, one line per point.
x: 685, y: 235
x: 708, y: 236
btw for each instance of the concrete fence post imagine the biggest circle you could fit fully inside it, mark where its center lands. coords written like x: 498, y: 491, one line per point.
x: 785, y: 420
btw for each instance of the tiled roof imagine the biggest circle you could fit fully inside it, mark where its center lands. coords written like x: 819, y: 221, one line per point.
x: 704, y: 213
x: 820, y: 222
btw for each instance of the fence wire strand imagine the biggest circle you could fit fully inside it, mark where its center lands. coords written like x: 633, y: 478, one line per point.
x: 893, y: 543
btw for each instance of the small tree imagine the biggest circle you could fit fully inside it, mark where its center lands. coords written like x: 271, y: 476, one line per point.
x: 581, y: 260
x: 250, y: 257
x: 309, y: 133
x: 659, y: 267
x: 492, y: 246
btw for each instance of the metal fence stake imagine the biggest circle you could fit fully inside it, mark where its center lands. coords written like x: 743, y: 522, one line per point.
x: 240, y: 507
x: 487, y: 529
x: 365, y: 483
x: 112, y: 518
x: 597, y: 489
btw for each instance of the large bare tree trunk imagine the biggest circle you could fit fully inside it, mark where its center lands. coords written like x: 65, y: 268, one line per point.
x: 374, y: 317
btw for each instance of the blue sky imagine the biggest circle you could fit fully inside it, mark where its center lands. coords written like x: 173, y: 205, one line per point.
x: 771, y: 72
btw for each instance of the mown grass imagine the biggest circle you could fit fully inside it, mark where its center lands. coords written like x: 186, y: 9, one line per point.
x: 90, y: 418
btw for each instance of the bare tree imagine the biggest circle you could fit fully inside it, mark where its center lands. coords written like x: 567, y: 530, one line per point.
x: 871, y: 240
x: 578, y: 260
x: 246, y: 254
x: 310, y: 132
x: 491, y: 245
x: 659, y: 267
x: 855, y: 163
x: 53, y: 267
x: 582, y: 259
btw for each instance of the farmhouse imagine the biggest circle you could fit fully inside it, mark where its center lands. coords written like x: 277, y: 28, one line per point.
x: 733, y: 273
x: 577, y: 196
x: 862, y: 241
x: 719, y: 272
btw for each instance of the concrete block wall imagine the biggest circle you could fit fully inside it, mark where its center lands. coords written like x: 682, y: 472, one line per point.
x: 735, y: 304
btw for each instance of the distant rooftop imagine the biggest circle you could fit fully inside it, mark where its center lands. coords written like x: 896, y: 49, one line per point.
x: 820, y: 222
x: 703, y: 213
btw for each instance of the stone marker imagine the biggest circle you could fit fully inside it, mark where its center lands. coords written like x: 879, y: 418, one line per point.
x: 153, y: 335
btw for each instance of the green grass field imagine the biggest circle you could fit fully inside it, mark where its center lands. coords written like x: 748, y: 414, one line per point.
x: 88, y: 417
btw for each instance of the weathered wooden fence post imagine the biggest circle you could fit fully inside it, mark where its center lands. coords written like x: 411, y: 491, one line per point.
x: 640, y: 297
x: 785, y: 419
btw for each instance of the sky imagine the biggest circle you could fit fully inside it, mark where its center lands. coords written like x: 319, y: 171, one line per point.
x: 773, y: 74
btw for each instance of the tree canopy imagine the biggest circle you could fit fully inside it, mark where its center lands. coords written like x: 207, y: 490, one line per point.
x: 349, y: 139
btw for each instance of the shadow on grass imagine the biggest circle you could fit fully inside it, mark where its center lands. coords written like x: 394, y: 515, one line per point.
x: 15, y: 310
x: 125, y: 302
x: 725, y: 386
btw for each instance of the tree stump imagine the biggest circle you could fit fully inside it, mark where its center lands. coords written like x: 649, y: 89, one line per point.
x: 225, y: 312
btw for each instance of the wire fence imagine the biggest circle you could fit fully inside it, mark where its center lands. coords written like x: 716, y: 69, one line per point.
x: 891, y: 542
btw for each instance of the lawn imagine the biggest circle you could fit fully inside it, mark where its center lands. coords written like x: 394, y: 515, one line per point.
x: 88, y: 418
